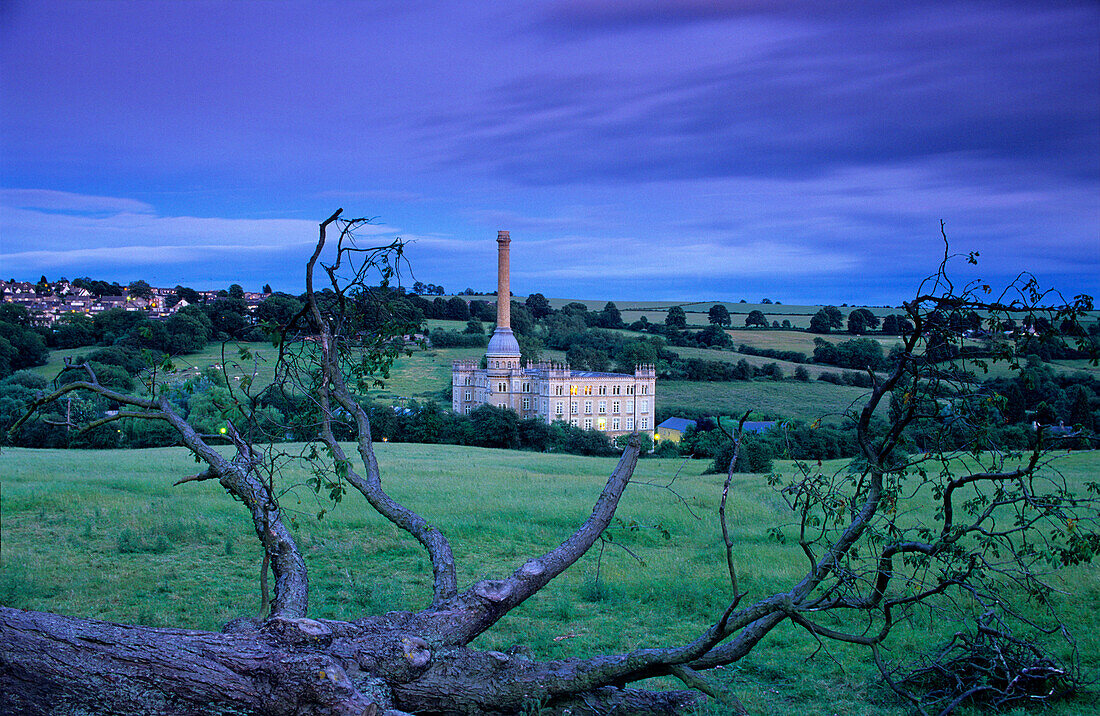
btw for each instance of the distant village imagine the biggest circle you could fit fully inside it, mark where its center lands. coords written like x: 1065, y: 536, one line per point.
x: 46, y: 302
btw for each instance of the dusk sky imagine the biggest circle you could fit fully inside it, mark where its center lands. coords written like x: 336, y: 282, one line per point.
x: 689, y: 150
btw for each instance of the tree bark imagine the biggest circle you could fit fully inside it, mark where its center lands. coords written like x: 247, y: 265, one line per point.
x: 52, y: 664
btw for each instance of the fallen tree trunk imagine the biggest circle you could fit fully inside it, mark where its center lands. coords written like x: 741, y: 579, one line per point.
x: 52, y: 664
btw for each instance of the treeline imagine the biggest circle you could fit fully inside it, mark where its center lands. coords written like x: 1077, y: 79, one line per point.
x: 1008, y: 406
x: 23, y: 345
x: 207, y: 403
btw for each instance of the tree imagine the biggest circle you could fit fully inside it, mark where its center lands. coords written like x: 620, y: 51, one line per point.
x: 267, y: 289
x: 719, y: 315
x: 482, y: 311
x: 885, y: 540
x: 826, y: 319
x: 458, y: 309
x: 236, y: 291
x: 188, y: 294
x: 861, y: 320
x: 20, y: 345
x: 819, y: 323
x: 539, y: 306
x: 676, y: 318
x: 895, y: 325
x: 278, y: 309
x: 756, y: 318
x: 857, y: 323
x: 140, y: 289
x: 610, y: 317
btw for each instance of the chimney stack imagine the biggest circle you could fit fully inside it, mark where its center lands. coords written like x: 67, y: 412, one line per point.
x: 504, y: 293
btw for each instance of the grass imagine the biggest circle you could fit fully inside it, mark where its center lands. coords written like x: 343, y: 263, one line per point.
x: 103, y: 534
x: 261, y: 361
x: 778, y: 399
x: 733, y: 357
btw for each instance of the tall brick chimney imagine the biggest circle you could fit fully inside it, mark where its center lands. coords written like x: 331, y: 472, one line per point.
x: 504, y: 293
x: 503, y: 350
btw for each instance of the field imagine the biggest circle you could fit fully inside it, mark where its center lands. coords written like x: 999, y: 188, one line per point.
x: 261, y: 362
x: 103, y: 534
x: 774, y: 399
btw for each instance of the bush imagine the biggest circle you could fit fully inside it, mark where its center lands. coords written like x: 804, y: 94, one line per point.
x: 441, y: 338
x: 755, y: 456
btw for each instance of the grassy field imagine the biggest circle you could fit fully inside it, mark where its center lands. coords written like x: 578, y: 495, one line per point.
x: 774, y: 399
x: 261, y: 362
x: 733, y: 357
x: 103, y: 534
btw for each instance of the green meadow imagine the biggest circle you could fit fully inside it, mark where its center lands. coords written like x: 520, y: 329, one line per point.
x: 104, y: 534
x: 779, y: 399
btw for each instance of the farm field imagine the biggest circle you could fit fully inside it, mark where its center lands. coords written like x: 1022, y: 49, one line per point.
x: 262, y: 360
x: 796, y: 340
x: 779, y: 399
x: 103, y: 534
x: 733, y: 357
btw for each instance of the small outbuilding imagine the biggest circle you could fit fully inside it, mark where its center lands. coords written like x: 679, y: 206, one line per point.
x: 673, y: 429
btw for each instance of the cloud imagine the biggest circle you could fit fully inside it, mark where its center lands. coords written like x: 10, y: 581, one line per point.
x: 63, y: 201
x: 780, y: 97
x: 590, y: 259
x: 71, y: 231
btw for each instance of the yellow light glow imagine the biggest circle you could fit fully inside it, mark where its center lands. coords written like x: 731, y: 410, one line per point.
x: 221, y: 430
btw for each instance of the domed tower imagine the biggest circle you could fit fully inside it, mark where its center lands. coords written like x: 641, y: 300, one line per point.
x: 503, y: 350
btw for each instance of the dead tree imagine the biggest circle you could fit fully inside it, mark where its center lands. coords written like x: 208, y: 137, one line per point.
x: 869, y: 562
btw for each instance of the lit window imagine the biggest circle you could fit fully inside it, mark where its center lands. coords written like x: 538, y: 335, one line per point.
x: 588, y: 390
x: 601, y: 424
x: 572, y: 390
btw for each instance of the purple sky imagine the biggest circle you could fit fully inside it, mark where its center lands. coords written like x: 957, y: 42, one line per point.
x: 636, y: 150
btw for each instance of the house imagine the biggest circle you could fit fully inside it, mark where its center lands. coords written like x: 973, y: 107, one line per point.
x: 673, y: 429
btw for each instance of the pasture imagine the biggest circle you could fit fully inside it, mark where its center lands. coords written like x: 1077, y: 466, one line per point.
x: 766, y: 398
x: 103, y: 534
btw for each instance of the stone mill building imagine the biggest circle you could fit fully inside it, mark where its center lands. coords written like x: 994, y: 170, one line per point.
x: 614, y: 403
